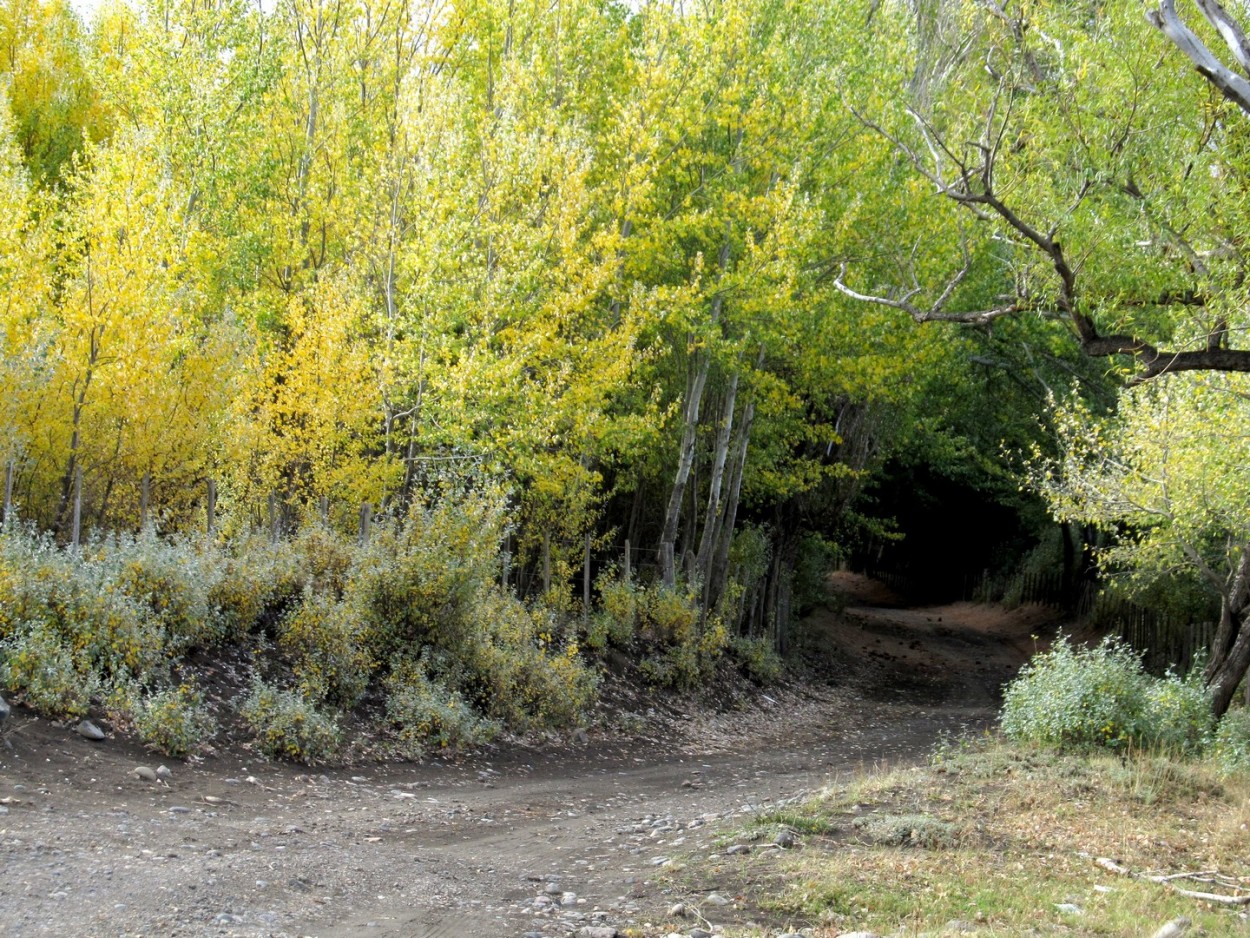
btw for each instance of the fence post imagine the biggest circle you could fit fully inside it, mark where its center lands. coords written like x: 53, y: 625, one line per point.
x: 546, y: 561
x: 145, y: 496
x: 273, y: 518
x: 586, y: 579
x: 626, y: 570
x: 323, y: 508
x: 76, y: 531
x: 211, y: 507
x: 8, y: 493
x: 366, y: 520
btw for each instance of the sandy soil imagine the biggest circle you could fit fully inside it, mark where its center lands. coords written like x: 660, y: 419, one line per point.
x: 509, y: 842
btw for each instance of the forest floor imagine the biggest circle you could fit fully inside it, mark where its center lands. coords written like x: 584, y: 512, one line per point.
x: 553, y: 839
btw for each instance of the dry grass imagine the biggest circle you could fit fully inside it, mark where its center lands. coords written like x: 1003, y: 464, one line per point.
x: 1002, y: 840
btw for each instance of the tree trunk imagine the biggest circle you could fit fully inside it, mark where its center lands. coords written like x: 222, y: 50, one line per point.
x: 1223, y: 677
x: 718, y: 575
x: 715, y: 506
x: 685, y: 457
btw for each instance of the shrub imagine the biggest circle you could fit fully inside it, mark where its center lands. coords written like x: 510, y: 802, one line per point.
x: 756, y: 658
x: 39, y: 665
x: 173, y: 583
x: 522, y: 672
x: 1231, y: 746
x: 1102, y: 697
x: 174, y: 721
x: 324, y: 638
x: 289, y: 726
x: 427, y: 713
x: 417, y: 584
x: 616, y: 621
x: 1078, y: 697
x: 1178, y: 715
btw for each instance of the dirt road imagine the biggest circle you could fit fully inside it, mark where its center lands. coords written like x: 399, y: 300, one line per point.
x: 517, y: 841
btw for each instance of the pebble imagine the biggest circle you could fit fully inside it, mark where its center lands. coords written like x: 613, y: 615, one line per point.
x: 88, y: 730
x: 145, y: 773
x: 553, y: 889
x: 715, y: 898
x: 699, y: 933
x: 597, y: 931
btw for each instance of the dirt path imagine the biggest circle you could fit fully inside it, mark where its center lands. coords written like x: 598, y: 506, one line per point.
x: 525, y: 842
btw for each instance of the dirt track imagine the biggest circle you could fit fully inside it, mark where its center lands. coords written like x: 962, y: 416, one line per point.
x: 252, y: 848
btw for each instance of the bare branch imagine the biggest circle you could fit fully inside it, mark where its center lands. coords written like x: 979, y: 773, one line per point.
x: 1231, y: 85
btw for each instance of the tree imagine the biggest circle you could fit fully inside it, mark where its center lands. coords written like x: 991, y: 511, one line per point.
x: 1094, y: 189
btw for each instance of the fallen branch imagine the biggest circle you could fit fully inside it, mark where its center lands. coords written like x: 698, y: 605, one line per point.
x: 1170, y: 883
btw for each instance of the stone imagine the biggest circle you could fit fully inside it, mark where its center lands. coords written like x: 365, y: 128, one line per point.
x: 580, y: 737
x: 163, y: 773
x: 715, y: 898
x: 738, y: 850
x: 552, y: 889
x: 1173, y: 929
x: 1068, y: 908
x: 699, y: 933
x: 959, y: 927
x: 678, y: 911
x: 88, y: 730
x: 785, y: 840
x: 597, y: 931
x: 145, y: 773
x: 860, y: 934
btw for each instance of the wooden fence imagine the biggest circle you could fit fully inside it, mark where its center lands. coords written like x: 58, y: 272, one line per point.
x: 1164, y: 641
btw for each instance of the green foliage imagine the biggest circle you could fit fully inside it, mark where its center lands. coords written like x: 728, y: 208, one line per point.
x: 1101, y: 697
x: 756, y: 658
x: 417, y: 584
x: 615, y: 621
x: 324, y: 639
x: 1231, y: 747
x: 174, y: 721
x: 40, y: 666
x: 1071, y: 696
x: 425, y: 713
x: 287, y: 725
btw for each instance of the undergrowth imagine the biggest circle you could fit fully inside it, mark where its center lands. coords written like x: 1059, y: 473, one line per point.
x: 409, y: 633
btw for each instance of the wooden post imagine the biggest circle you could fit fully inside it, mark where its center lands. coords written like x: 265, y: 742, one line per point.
x: 586, y: 579
x: 324, y: 510
x: 9, y: 470
x: 366, y: 521
x: 76, y: 532
x: 211, y: 508
x: 145, y: 497
x: 546, y: 561
x: 273, y: 518
x: 625, y: 570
